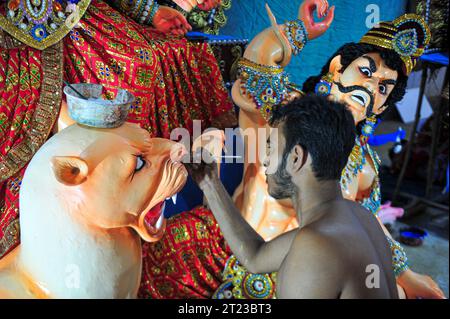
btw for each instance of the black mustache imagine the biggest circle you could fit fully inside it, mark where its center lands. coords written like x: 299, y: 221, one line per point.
x: 348, y: 89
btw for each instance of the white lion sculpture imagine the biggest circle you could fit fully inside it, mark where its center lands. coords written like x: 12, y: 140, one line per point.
x: 87, y: 197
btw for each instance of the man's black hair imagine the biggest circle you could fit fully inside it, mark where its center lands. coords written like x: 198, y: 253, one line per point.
x: 350, y: 52
x: 323, y: 128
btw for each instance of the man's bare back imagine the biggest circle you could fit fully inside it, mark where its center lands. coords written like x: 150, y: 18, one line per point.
x: 342, y: 255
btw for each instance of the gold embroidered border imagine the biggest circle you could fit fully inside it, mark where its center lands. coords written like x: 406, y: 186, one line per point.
x: 10, y: 237
x: 44, y: 116
x: 8, y: 42
x: 53, y: 38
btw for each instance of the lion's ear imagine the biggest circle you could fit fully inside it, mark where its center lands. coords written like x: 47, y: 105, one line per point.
x: 70, y: 170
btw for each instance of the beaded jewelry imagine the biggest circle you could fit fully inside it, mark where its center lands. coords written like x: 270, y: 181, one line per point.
x: 355, y: 164
x: 399, y: 259
x: 323, y: 87
x: 265, y: 85
x: 369, y: 127
x: 296, y: 34
x: 149, y: 13
x: 142, y: 11
x: 34, y: 16
x: 373, y: 202
x: 41, y: 23
x: 238, y: 283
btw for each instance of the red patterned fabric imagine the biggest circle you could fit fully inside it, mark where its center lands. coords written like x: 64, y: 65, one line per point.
x: 188, y: 261
x: 174, y: 82
x: 9, y: 213
x: 20, y: 83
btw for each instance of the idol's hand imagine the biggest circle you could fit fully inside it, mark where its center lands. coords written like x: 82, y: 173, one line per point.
x: 203, y: 168
x: 306, y: 14
x: 419, y: 286
x: 205, y: 5
x: 170, y: 21
x: 208, y: 5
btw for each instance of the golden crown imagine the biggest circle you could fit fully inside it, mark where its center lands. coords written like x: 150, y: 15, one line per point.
x: 407, y: 35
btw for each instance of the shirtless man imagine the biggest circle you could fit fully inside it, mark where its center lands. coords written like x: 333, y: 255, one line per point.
x: 337, y: 245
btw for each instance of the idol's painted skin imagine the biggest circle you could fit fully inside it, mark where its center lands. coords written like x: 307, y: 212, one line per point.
x: 270, y: 217
x: 364, y: 85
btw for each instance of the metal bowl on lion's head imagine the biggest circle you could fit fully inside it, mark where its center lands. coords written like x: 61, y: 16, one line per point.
x: 93, y: 110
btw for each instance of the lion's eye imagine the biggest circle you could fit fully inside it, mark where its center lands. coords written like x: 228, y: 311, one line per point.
x: 140, y: 163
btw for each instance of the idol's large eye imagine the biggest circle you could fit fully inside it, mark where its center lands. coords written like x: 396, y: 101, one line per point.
x: 383, y: 89
x: 366, y: 71
x: 140, y: 163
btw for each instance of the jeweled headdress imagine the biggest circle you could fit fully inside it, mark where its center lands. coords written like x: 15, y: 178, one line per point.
x: 40, y: 23
x: 407, y: 35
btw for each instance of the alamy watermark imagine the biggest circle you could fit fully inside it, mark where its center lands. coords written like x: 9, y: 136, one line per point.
x: 252, y: 150
x: 373, y: 19
x: 72, y: 279
x: 373, y: 277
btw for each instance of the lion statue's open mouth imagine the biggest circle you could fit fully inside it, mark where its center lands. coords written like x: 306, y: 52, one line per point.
x: 152, y: 220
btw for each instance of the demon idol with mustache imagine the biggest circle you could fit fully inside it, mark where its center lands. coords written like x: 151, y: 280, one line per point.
x: 368, y: 76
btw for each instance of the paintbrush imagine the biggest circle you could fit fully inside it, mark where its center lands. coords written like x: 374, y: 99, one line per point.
x: 75, y: 90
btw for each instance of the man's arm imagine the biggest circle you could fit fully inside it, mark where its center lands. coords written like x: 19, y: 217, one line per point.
x: 249, y: 247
